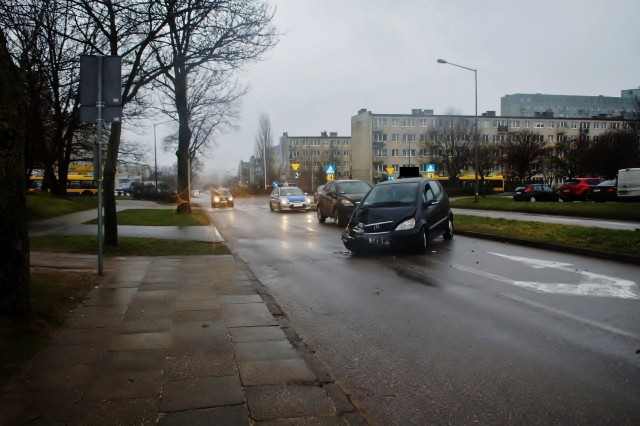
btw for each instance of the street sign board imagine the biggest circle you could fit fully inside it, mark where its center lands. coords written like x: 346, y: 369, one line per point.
x: 330, y: 169
x: 390, y: 170
x: 430, y: 168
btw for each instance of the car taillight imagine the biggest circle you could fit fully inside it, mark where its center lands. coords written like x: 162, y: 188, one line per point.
x: 611, y: 189
x: 527, y: 189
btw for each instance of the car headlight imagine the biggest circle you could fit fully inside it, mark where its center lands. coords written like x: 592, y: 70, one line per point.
x: 346, y: 203
x: 308, y: 200
x: 407, y: 224
x: 230, y: 199
x: 284, y: 202
x: 216, y: 199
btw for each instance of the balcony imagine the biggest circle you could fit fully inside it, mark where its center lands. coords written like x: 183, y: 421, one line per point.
x: 379, y: 145
x: 503, y: 129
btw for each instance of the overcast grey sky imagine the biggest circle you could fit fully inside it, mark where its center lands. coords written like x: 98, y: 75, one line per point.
x: 337, y: 56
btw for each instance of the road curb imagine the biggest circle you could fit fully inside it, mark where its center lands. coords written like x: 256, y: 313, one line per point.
x: 616, y: 257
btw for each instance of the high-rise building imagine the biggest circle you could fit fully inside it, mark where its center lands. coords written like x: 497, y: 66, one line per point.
x: 569, y: 106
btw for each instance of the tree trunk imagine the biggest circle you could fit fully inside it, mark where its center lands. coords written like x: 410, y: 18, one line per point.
x: 14, y: 238
x: 108, y: 186
x: 184, y: 139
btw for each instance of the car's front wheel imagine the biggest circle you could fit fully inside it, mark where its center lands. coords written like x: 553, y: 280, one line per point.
x: 271, y: 207
x: 336, y: 218
x: 448, y: 233
x: 532, y: 199
x: 422, y: 241
x: 321, y: 217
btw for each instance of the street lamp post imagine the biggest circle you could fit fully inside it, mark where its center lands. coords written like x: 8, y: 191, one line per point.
x: 475, y: 149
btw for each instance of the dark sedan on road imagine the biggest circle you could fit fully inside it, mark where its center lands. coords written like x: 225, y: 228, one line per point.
x: 604, y: 191
x: 289, y: 198
x: 404, y: 213
x: 536, y: 192
x: 339, y: 198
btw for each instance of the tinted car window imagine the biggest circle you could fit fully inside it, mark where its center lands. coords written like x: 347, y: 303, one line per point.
x: 436, y: 188
x: 291, y: 191
x: 353, y: 187
x: 403, y: 193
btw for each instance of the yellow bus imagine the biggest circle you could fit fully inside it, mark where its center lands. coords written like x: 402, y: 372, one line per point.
x: 76, y: 185
x: 494, y: 183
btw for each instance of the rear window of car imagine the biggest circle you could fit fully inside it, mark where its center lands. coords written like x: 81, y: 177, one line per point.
x: 571, y: 181
x: 353, y: 187
x: 291, y: 191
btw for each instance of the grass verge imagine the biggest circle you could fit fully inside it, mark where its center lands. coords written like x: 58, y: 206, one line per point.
x: 611, y: 210
x: 54, y: 294
x: 160, y: 217
x: 43, y: 205
x: 600, y: 239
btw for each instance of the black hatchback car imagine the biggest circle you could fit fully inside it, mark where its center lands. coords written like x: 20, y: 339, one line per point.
x: 339, y: 198
x: 403, y: 213
x: 536, y: 192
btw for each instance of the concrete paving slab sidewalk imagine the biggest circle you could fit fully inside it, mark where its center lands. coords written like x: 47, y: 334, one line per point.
x: 173, y: 340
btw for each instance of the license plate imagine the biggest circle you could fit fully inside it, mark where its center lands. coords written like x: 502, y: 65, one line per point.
x: 376, y: 241
x: 297, y: 205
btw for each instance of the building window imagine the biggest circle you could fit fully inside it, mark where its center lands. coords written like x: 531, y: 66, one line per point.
x: 408, y: 152
x: 395, y: 122
x: 380, y: 137
x: 574, y: 125
x: 424, y: 122
x: 394, y: 152
x: 395, y: 137
x: 379, y: 121
x: 409, y: 137
x: 514, y: 123
x: 408, y: 122
x: 538, y: 124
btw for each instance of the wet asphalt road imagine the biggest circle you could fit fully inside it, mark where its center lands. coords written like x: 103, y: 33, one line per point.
x: 473, y: 331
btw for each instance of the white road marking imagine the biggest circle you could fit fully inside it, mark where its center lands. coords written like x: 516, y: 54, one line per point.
x: 590, y: 284
x: 573, y: 317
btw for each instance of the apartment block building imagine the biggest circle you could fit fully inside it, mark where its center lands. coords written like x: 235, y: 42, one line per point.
x: 382, y: 141
x: 569, y: 106
x: 315, y: 153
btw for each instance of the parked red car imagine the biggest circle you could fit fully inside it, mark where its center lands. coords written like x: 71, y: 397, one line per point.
x: 576, y: 189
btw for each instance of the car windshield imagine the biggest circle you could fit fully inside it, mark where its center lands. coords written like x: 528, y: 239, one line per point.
x: 404, y: 193
x: 291, y: 191
x: 358, y: 187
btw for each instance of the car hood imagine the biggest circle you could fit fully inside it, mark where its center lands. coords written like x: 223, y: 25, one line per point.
x: 295, y: 198
x: 353, y: 197
x: 369, y: 215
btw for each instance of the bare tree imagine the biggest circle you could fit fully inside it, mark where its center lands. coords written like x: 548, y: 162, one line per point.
x: 451, y: 142
x: 614, y: 150
x: 124, y: 28
x: 14, y: 239
x: 264, y: 150
x: 48, y: 56
x: 488, y: 157
x: 221, y: 35
x: 212, y: 106
x: 524, y: 152
x: 568, y: 157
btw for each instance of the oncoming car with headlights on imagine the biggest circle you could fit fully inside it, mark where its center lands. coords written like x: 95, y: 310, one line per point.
x: 403, y: 213
x: 289, y: 198
x: 221, y: 197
